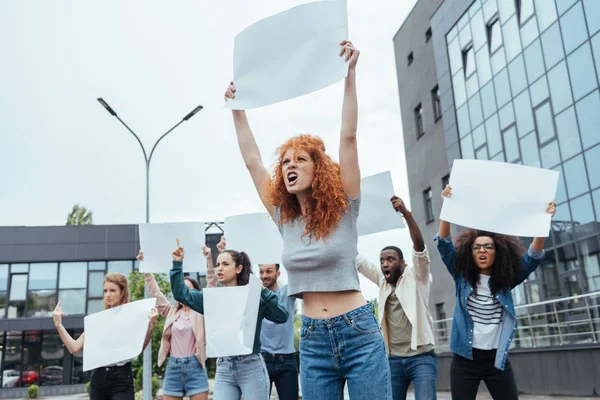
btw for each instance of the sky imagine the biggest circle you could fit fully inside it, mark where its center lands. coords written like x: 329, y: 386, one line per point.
x: 153, y: 62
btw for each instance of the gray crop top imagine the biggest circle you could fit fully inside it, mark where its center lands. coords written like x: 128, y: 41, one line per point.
x: 321, y: 266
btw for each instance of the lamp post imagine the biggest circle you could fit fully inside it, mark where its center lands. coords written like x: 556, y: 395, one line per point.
x: 147, y: 376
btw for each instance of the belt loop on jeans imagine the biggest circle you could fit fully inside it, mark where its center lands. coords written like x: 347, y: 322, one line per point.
x: 312, y: 324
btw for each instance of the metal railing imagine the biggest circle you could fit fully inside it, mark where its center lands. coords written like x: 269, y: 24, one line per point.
x: 552, y: 323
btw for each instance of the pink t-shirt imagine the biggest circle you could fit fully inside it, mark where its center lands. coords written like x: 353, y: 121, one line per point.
x: 183, y: 341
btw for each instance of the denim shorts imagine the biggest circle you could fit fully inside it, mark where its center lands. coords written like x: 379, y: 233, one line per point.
x: 185, y: 377
x: 347, y: 349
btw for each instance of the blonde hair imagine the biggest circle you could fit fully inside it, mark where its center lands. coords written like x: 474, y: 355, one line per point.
x: 121, y: 281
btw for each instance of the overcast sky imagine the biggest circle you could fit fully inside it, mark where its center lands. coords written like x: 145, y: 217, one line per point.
x: 153, y: 62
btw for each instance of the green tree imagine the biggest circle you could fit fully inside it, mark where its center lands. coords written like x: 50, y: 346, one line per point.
x: 80, y: 216
x: 136, y: 288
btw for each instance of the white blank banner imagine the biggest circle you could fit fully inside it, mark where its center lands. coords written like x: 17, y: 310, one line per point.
x: 255, y: 234
x: 230, y: 315
x: 376, y: 212
x: 116, y: 334
x: 289, y: 54
x: 504, y: 198
x: 158, y: 241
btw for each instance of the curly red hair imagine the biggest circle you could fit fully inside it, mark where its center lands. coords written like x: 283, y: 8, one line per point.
x: 329, y: 201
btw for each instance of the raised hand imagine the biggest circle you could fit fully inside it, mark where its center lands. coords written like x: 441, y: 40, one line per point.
x: 551, y: 209
x: 206, y: 251
x: 399, y: 205
x: 178, y: 253
x: 447, y: 192
x: 230, y: 92
x: 222, y: 245
x: 350, y: 53
x: 57, y: 315
x: 140, y: 256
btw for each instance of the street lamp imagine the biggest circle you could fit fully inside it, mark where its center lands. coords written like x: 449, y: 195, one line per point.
x: 147, y: 376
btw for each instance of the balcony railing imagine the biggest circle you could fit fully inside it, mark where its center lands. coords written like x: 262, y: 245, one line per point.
x: 552, y: 323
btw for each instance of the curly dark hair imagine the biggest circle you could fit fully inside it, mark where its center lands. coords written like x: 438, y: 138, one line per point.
x: 507, y: 264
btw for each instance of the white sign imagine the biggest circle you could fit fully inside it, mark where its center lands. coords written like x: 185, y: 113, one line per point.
x: 504, y: 198
x: 289, y: 54
x: 230, y: 315
x: 158, y: 241
x: 116, y: 334
x: 376, y: 212
x: 255, y: 234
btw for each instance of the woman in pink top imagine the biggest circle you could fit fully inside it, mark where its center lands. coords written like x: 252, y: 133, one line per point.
x: 183, y: 340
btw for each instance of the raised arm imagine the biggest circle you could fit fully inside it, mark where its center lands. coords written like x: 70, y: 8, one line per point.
x: 532, y: 259
x: 71, y: 344
x: 413, y: 228
x: 192, y: 298
x: 250, y: 151
x: 211, y: 277
x: 276, y: 312
x: 349, y: 167
x: 163, y: 305
x: 369, y: 270
x: 151, y: 324
x: 444, y: 241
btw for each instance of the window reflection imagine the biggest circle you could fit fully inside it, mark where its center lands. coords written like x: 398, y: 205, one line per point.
x: 552, y: 53
x: 460, y: 93
x: 544, y: 123
x: 534, y: 61
x: 32, y: 349
x: 498, y: 62
x: 516, y: 71
x: 573, y: 26
x: 475, y: 111
x: 583, y: 215
x: 523, y: 114
x: 94, y: 306
x: 97, y: 265
x: 479, y: 137
x: 494, y: 139
x: 529, y: 31
x: 494, y: 35
x: 512, y: 39
x: 561, y: 191
x: 466, y: 147
x: 529, y: 150
x: 488, y: 100
x: 589, y: 119
x: 507, y: 116
x: 464, y: 125
x: 560, y: 90
x: 582, y: 72
x: 72, y: 275
x: 3, y: 277
x: 468, y: 61
x: 550, y: 155
x: 549, y: 275
x: 545, y: 12
x: 575, y: 176
x: 52, y: 360
x: 539, y: 91
x: 43, y: 276
x: 566, y: 127
x: 478, y: 29
x: 12, y: 359
x: 511, y: 145
x: 482, y: 153
x: 96, y: 284
x: 454, y: 54
x: 72, y: 301
x: 41, y: 303
x: 484, y: 69
x: 592, y: 158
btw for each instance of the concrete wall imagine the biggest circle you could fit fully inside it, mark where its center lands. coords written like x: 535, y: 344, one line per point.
x: 426, y: 159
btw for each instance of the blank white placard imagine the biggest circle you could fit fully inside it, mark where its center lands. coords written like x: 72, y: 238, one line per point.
x: 257, y: 235
x: 116, y: 334
x: 158, y: 241
x: 504, y: 198
x: 230, y: 315
x: 289, y: 54
x: 376, y: 212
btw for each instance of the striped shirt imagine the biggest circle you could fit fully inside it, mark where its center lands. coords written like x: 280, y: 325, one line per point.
x: 486, y: 313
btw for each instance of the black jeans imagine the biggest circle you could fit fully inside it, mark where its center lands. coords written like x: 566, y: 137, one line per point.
x: 283, y: 371
x: 112, y: 383
x: 465, y: 376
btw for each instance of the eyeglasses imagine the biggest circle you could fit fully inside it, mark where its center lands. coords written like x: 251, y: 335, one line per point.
x: 486, y: 247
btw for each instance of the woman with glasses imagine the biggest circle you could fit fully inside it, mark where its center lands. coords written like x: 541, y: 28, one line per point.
x: 486, y: 266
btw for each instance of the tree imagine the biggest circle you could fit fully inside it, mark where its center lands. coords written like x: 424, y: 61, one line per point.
x: 80, y: 216
x: 136, y: 289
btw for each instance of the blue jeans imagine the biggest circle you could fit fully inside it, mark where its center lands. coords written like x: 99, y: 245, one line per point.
x: 421, y: 370
x: 241, y: 375
x: 185, y: 377
x: 283, y: 371
x: 348, y: 348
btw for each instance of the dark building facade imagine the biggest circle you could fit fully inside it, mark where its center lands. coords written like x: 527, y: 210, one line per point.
x: 513, y: 81
x: 42, y: 265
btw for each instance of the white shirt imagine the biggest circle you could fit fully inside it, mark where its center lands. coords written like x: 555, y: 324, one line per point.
x: 486, y: 313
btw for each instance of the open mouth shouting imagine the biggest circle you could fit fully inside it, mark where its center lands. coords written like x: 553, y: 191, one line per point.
x: 292, y: 178
x: 482, y: 260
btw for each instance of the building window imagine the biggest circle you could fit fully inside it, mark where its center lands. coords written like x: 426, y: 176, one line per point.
x: 410, y: 58
x: 524, y: 10
x: 437, y: 106
x: 442, y: 326
x: 468, y: 57
x: 445, y: 181
x: 428, y: 200
x: 419, y: 121
x: 427, y: 35
x: 494, y: 34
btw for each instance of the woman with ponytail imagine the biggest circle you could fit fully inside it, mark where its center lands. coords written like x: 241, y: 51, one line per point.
x: 238, y: 375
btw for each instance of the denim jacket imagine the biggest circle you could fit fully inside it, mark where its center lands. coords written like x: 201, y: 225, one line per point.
x: 462, y: 324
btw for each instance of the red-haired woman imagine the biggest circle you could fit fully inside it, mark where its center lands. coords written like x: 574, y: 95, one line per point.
x: 111, y: 382
x: 315, y: 201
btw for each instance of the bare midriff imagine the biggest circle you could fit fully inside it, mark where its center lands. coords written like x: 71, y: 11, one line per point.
x: 325, y: 305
